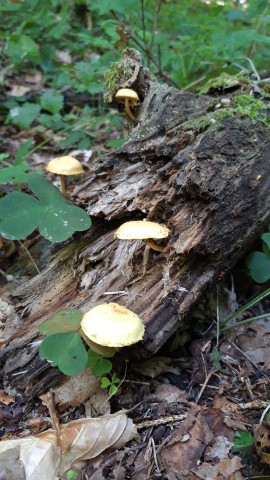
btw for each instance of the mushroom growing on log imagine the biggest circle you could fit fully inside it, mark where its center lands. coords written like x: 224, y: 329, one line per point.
x: 205, y: 176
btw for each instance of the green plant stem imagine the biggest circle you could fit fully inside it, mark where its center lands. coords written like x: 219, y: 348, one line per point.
x: 248, y: 320
x: 250, y: 304
x: 30, y: 256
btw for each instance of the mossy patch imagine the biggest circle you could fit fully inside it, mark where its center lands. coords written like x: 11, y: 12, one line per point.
x: 242, y: 106
x: 119, y: 72
x: 223, y: 82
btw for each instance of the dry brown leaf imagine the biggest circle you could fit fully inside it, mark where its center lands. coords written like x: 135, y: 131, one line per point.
x: 6, y: 399
x: 76, y: 390
x: 80, y: 440
x: 262, y: 442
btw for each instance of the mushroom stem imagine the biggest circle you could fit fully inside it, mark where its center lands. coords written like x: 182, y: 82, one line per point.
x: 63, y: 185
x: 154, y: 245
x: 129, y: 112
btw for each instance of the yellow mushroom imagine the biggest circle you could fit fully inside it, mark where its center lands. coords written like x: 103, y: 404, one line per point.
x: 112, y: 325
x: 131, y: 100
x: 143, y: 230
x: 64, y: 166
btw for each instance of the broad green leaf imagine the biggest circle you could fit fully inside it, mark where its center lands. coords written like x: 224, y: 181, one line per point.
x: 56, y: 217
x: 16, y: 173
x: 19, y: 215
x: 66, y: 351
x: 258, y: 264
x: 64, y: 321
x: 242, y: 439
x: 52, y: 101
x: 25, y: 115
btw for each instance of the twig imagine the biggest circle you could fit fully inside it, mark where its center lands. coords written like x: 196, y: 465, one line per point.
x: 204, y: 385
x: 30, y: 256
x: 265, y: 10
x: 154, y: 26
x: 161, y: 421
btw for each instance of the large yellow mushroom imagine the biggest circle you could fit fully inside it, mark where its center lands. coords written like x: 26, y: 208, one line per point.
x: 143, y: 230
x: 112, y: 326
x: 65, y: 166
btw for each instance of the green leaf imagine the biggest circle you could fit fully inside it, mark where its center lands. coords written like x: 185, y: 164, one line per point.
x: 93, y: 358
x: 15, y: 173
x: 64, y: 321
x: 258, y: 264
x: 71, y: 475
x: 113, y: 390
x: 105, y: 382
x: 25, y: 115
x: 216, y: 357
x: 23, y: 151
x: 115, y: 379
x: 56, y: 218
x: 266, y: 239
x: 52, y: 101
x: 66, y: 351
x: 101, y: 367
x: 242, y: 439
x: 22, y: 47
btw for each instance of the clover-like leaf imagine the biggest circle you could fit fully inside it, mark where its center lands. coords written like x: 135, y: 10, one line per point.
x: 15, y: 173
x: 56, y: 217
x: 258, y: 264
x: 63, y: 321
x: 65, y: 351
x: 98, y: 364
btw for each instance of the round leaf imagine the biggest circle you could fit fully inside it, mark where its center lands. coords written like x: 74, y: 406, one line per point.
x: 19, y: 215
x: 66, y: 351
x: 258, y: 264
x: 64, y: 321
x: 101, y: 367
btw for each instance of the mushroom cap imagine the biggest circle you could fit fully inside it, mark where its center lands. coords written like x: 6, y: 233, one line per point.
x: 65, y: 166
x: 140, y: 230
x: 112, y: 325
x: 127, y: 93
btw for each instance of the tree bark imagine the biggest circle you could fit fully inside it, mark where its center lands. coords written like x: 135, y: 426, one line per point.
x: 206, y: 179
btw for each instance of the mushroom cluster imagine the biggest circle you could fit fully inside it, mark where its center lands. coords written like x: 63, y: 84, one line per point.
x: 109, y: 326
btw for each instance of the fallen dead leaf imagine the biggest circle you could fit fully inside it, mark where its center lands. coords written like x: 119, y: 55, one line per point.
x: 48, y: 456
x: 76, y: 390
x: 262, y: 442
x: 6, y: 399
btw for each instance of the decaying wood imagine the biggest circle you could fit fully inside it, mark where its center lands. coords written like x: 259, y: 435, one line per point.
x: 209, y: 186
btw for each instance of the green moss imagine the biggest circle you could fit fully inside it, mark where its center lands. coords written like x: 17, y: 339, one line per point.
x: 119, y: 72
x: 223, y: 82
x: 242, y: 106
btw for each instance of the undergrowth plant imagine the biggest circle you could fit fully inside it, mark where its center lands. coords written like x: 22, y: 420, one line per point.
x: 49, y: 211
x: 64, y: 348
x: 258, y: 263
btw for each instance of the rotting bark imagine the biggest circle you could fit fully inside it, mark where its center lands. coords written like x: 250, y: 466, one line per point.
x: 209, y: 186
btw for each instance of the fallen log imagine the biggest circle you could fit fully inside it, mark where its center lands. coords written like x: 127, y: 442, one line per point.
x: 201, y: 171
